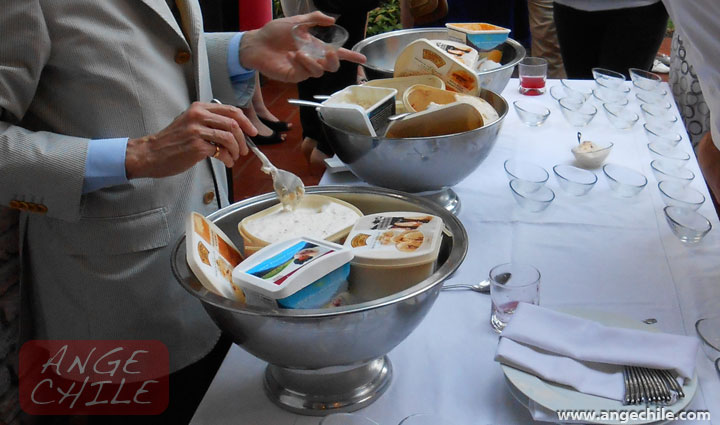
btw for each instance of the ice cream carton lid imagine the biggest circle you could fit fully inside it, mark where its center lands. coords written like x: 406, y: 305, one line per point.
x: 480, y: 35
x: 423, y: 57
x: 283, y: 268
x: 396, y: 239
x: 212, y: 256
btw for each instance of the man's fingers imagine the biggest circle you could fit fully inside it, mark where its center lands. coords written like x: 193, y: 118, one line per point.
x: 311, y: 66
x: 236, y: 114
x: 315, y: 18
x: 349, y: 55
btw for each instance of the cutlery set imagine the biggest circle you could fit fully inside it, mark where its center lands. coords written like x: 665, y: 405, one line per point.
x: 650, y: 386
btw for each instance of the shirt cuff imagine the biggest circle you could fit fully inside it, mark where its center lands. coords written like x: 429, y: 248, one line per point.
x: 237, y: 72
x: 105, y: 164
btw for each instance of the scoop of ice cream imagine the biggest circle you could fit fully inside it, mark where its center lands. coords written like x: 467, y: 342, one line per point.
x: 586, y: 147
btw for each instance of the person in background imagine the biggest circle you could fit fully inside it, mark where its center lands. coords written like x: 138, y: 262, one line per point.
x: 612, y: 34
x: 351, y: 15
x: 687, y: 92
x: 245, y: 15
x: 545, y: 42
x: 697, y: 23
x: 511, y: 14
x: 108, y: 140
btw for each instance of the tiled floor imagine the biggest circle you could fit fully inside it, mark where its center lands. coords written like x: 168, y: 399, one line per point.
x: 249, y: 181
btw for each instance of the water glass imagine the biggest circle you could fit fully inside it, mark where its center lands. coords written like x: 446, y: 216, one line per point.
x: 532, y: 72
x: 510, y: 284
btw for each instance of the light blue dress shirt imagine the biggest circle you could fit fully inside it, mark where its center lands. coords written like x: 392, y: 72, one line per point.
x: 105, y: 162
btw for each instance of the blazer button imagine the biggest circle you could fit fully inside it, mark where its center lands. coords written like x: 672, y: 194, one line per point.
x: 182, y: 57
x: 208, y: 197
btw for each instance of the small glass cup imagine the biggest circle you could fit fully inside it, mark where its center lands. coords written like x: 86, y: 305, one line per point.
x: 578, y: 115
x: 612, y: 95
x: 644, y: 80
x: 346, y: 419
x: 574, y: 180
x: 620, y: 117
x: 677, y: 195
x: 608, y: 78
x: 624, y: 181
x: 510, y: 284
x: 665, y: 170
x: 534, y: 201
x: 424, y: 419
x: 653, y: 97
x: 660, y: 135
x: 673, y: 156
x: 317, y: 40
x: 688, y: 225
x: 532, y: 72
x: 531, y: 113
x: 530, y: 177
x: 574, y: 88
x: 657, y: 115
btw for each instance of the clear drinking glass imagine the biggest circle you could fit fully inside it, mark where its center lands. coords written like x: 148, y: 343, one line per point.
x: 532, y: 72
x: 708, y: 329
x: 510, y: 284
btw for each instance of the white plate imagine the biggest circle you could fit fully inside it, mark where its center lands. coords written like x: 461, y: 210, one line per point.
x: 555, y: 397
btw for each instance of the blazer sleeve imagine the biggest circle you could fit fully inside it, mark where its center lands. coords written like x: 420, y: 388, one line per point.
x: 37, y: 167
x: 217, y: 44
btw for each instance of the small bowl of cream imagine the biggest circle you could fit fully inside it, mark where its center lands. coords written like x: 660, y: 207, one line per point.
x: 591, y: 154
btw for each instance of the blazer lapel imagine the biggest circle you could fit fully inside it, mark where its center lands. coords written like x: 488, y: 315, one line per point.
x: 161, y: 8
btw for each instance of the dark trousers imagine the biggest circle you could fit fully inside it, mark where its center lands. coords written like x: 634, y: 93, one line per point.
x: 353, y: 15
x: 614, y: 39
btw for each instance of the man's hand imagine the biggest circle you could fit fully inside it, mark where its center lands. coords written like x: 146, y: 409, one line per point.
x: 272, y: 51
x: 204, y: 130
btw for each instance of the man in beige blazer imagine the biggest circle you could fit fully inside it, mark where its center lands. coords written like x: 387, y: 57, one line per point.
x: 78, y: 73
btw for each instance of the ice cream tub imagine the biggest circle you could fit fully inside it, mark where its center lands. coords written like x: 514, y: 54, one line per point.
x: 297, y: 273
x: 441, y: 120
x: 430, y: 57
x: 401, y: 84
x: 392, y: 252
x: 360, y: 109
x: 421, y: 97
x: 316, y: 216
x: 212, y: 257
x: 479, y: 35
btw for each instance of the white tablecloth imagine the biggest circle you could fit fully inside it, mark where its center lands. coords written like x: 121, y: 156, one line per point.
x: 597, y: 252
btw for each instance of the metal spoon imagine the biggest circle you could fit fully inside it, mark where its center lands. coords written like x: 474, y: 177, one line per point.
x: 579, y: 136
x: 288, y: 187
x: 483, y: 286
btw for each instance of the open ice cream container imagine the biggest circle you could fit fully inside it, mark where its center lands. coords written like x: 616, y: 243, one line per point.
x: 479, y: 35
x: 360, y: 109
x: 212, y: 257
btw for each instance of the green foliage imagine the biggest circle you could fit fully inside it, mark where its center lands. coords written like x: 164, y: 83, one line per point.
x: 385, y: 18
x: 382, y: 19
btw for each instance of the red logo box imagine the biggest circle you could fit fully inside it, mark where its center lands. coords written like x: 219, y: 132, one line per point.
x: 106, y: 377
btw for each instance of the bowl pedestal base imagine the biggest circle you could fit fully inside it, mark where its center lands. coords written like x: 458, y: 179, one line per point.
x: 328, y: 390
x: 446, y: 198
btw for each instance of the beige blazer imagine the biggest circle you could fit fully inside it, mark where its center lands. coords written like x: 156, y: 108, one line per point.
x: 97, y: 266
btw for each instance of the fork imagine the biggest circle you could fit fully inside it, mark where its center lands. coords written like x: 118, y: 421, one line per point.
x: 288, y: 187
x: 650, y: 386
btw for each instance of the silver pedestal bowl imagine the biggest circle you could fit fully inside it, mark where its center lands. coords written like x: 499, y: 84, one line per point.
x: 328, y: 360
x: 381, y: 51
x: 428, y: 166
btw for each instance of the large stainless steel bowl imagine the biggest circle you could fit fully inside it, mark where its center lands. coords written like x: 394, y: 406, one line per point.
x: 328, y: 360
x: 382, y: 50
x: 421, y: 164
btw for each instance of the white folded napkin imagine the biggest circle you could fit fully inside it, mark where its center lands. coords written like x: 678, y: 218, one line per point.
x: 586, y: 355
